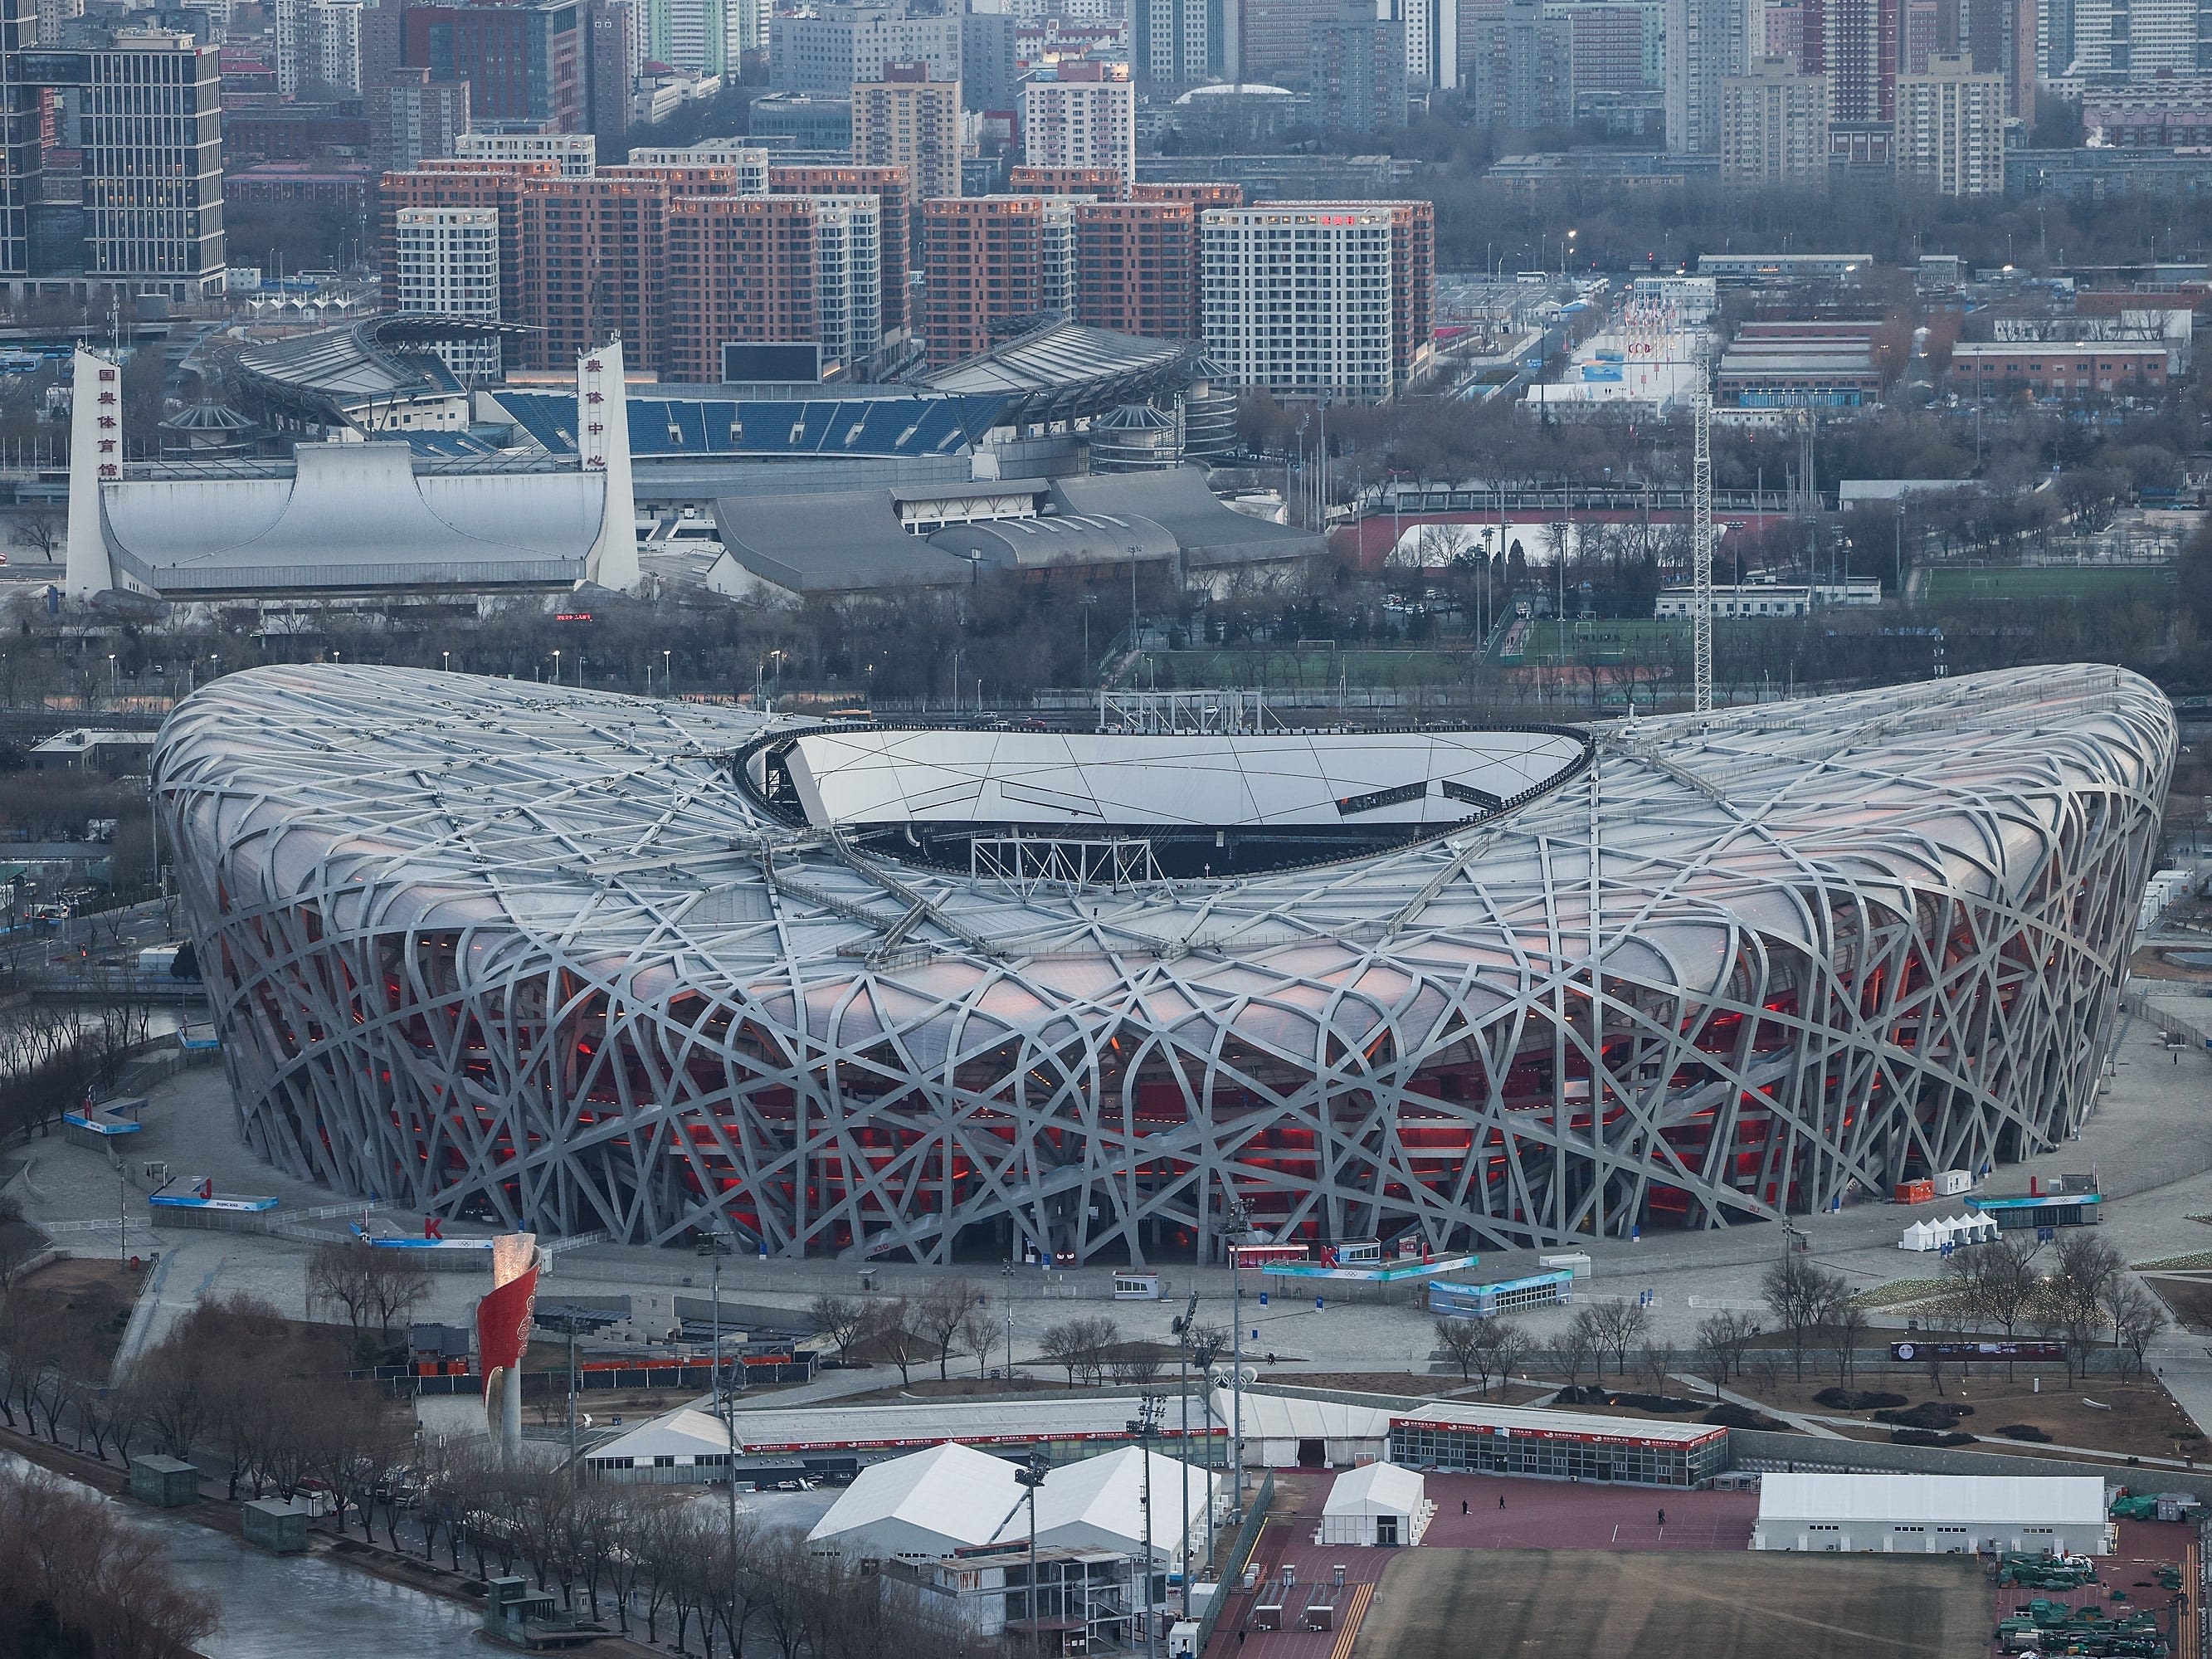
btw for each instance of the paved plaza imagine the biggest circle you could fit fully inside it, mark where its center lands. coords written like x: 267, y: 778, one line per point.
x: 2144, y: 1141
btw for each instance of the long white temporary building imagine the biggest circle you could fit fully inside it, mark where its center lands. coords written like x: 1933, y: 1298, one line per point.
x: 953, y: 1498
x: 1286, y: 1432
x: 1933, y: 1514
x: 1383, y: 1504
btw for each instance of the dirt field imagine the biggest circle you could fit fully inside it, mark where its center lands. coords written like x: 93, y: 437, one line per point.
x: 81, y: 1303
x: 2144, y: 1421
x: 1527, y: 1604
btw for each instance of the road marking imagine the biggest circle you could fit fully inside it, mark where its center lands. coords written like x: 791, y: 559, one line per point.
x: 1358, y: 1611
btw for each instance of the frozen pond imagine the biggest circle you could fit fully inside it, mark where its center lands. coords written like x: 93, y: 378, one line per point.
x: 279, y: 1606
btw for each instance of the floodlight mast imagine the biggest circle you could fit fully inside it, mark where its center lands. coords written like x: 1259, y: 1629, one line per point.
x: 1701, y: 555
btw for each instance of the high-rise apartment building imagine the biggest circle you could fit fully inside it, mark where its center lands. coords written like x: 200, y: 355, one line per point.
x: 1616, y: 48
x: 893, y: 191
x: 908, y: 121
x: 581, y: 258
x: 1181, y: 43
x: 413, y: 119
x: 994, y: 265
x: 524, y: 61
x: 1319, y: 299
x: 2137, y: 38
x: 1950, y: 128
x: 446, y: 261
x: 1855, y: 44
x: 1706, y: 42
x: 1999, y: 37
x: 685, y: 34
x: 1432, y: 46
x: 1200, y: 193
x: 318, y: 47
x: 611, y: 64
x: 1355, y: 69
x: 831, y: 46
x: 1081, y: 115
x: 772, y: 271
x: 1774, y: 128
x: 1520, y: 64
x: 1277, y: 38
x: 987, y: 58
x: 573, y: 153
x: 1136, y: 268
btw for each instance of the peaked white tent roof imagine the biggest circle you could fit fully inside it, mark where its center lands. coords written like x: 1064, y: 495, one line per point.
x: 1099, y: 1503
x: 1377, y: 1489
x: 930, y: 1503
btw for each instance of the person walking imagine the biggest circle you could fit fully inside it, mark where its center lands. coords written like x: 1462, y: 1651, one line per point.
x: 1663, y: 1518
x: 1501, y: 1500
x: 1462, y: 1506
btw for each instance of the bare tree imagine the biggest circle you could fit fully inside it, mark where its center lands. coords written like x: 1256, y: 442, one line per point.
x: 1066, y: 1345
x: 941, y: 1313
x: 1461, y: 1341
x: 1721, y: 1339
x: 1617, y: 1325
x: 1847, y: 1325
x: 977, y: 1331
x: 840, y: 1318
x: 894, y: 1333
x: 1802, y: 1297
x: 2138, y: 1319
x: 1580, y: 1344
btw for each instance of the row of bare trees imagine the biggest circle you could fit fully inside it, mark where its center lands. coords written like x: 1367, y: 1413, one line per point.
x: 654, y: 1558
x: 73, y: 1570
x: 263, y: 1406
x: 951, y: 1316
x: 53, y: 1058
x: 2078, y: 1288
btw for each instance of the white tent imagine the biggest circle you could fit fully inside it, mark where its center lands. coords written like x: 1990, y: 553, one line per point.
x: 928, y: 1505
x: 1937, y: 1231
x: 1376, y: 1503
x: 1918, y: 1236
x: 1099, y: 1503
x: 1932, y: 1514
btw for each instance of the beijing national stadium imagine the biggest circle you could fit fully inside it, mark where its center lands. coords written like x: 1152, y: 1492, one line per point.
x: 579, y: 961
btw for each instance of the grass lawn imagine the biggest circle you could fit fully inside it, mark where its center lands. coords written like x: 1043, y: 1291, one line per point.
x: 1950, y: 583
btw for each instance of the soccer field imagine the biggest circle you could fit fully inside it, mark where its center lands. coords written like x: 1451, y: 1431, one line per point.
x: 1949, y: 584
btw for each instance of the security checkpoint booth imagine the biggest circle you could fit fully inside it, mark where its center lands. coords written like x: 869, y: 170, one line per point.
x: 1933, y: 1514
x: 1376, y: 1503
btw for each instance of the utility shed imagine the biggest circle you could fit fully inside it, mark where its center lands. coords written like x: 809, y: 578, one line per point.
x: 1932, y: 1514
x: 1382, y: 1504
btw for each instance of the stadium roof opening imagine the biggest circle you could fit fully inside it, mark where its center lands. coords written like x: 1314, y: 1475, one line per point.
x: 1213, y: 803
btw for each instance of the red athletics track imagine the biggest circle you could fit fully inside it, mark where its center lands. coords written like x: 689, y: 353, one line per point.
x: 1538, y: 1514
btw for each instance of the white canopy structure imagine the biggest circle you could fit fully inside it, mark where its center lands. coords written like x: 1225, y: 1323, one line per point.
x: 1381, y: 1504
x: 1099, y: 1503
x: 1288, y: 1432
x: 1937, y: 1231
x: 949, y: 1497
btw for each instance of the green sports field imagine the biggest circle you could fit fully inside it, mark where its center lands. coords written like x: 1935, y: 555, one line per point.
x: 1950, y: 583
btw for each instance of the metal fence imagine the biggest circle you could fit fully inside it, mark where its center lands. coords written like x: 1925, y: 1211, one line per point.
x: 1230, y: 1567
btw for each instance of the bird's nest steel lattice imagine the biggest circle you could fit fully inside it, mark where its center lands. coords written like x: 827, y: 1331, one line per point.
x: 539, y: 956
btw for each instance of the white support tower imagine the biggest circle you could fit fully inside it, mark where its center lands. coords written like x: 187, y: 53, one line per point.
x: 1701, y: 555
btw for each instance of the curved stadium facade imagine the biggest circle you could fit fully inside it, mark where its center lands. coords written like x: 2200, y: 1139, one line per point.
x: 583, y: 961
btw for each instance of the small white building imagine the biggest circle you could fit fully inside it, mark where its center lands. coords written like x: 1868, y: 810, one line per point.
x: 1933, y: 1514
x: 1380, y: 1503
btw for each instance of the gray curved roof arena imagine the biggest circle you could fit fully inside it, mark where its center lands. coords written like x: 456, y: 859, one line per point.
x: 545, y: 955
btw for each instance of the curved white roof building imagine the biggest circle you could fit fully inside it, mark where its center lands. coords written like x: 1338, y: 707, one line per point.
x: 593, y: 962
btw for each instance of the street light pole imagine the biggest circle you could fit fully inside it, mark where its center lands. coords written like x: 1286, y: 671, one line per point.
x: 1031, y: 1475
x: 1143, y: 1426
x: 1007, y: 1297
